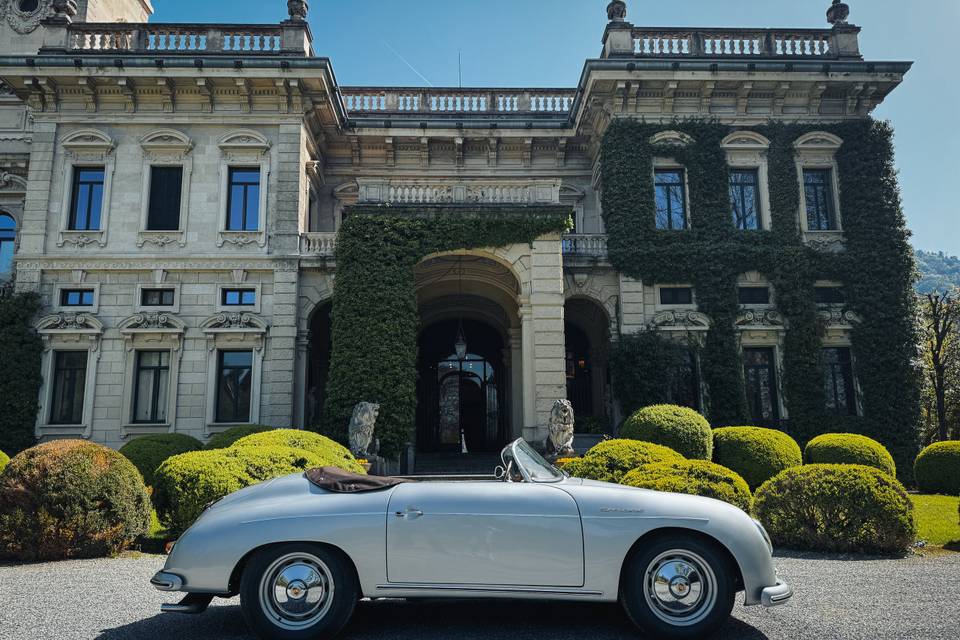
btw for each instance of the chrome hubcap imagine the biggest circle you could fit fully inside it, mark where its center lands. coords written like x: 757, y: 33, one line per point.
x: 296, y: 591
x: 680, y: 587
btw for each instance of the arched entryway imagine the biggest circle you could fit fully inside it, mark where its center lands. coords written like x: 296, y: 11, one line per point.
x: 461, y: 401
x: 465, y: 395
x: 587, y: 339
x: 318, y: 364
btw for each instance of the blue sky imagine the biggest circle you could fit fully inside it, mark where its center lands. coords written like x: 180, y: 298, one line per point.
x: 514, y: 43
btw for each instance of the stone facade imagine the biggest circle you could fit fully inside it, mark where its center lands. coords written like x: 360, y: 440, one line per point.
x: 107, y: 89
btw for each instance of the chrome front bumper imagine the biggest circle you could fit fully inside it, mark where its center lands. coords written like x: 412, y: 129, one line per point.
x: 776, y: 595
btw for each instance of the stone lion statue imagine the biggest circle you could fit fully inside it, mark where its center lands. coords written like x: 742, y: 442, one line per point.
x: 561, y: 428
x: 361, y: 428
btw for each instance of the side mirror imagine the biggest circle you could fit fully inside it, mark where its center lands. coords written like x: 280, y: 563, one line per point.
x: 500, y: 473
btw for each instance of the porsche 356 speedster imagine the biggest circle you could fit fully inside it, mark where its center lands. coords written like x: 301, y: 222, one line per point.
x: 302, y: 550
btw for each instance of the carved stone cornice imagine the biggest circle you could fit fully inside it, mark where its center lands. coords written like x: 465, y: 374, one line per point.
x: 153, y: 327
x: 839, y: 318
x: 688, y: 320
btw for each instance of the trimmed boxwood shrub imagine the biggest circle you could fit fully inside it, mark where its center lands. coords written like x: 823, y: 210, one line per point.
x: 329, y: 452
x: 682, y: 429
x: 937, y: 468
x: 611, y: 459
x: 849, y: 448
x: 187, y: 483
x: 837, y: 507
x: 694, y: 477
x: 4, y: 459
x: 231, y: 435
x: 756, y: 454
x: 147, y: 452
x: 71, y: 499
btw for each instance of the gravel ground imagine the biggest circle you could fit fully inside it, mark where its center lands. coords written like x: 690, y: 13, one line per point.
x: 835, y: 598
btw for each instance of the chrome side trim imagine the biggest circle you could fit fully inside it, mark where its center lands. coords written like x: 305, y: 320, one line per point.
x: 776, y: 595
x: 476, y: 589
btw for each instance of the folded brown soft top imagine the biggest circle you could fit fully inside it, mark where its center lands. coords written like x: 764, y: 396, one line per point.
x: 340, y: 481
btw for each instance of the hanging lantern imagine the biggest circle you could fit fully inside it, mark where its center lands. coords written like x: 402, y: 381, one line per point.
x: 461, y: 344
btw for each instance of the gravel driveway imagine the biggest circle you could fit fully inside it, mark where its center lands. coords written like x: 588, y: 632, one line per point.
x: 835, y: 598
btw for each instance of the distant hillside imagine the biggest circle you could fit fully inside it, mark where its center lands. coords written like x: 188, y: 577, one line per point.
x: 937, y: 271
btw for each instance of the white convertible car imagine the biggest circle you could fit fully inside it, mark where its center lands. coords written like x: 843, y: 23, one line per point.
x: 303, y: 549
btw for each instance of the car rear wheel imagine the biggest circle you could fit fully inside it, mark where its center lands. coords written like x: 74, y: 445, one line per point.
x: 678, y: 587
x: 298, y: 591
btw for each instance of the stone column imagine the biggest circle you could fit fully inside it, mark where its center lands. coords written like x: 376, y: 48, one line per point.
x: 528, y: 373
x: 277, y: 386
x: 300, y: 381
x: 547, y: 309
x: 36, y: 205
x: 516, y: 382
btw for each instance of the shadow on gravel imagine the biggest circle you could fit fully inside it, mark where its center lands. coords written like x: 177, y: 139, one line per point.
x: 432, y: 620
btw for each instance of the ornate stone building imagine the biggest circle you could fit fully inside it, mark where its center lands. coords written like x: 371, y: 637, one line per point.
x: 174, y: 191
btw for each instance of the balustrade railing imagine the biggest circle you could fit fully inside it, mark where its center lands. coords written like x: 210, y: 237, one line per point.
x: 593, y: 245
x: 735, y: 43
x: 175, y: 38
x: 373, y: 100
x: 321, y: 244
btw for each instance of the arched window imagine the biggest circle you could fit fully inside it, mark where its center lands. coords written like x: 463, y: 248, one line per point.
x: 8, y: 242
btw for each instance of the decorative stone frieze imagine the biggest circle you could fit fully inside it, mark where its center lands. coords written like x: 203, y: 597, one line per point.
x: 457, y: 192
x: 760, y: 318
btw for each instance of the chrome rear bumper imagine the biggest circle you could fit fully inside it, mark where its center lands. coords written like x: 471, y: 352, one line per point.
x: 776, y: 595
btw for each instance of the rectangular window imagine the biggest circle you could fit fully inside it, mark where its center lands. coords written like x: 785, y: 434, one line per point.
x: 745, y: 198
x: 86, y: 202
x: 760, y: 376
x: 76, y: 297
x: 166, y: 184
x: 243, y: 201
x: 238, y: 297
x: 157, y: 297
x: 150, y: 387
x: 818, y: 190
x: 234, y: 372
x: 671, y: 199
x: 69, y: 385
x: 754, y: 295
x: 676, y: 295
x: 838, y: 381
x: 829, y: 295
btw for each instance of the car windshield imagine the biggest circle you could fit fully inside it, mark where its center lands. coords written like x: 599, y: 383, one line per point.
x: 529, y: 463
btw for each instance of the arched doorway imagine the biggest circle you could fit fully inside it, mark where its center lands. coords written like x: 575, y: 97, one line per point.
x: 318, y: 364
x: 460, y: 402
x: 587, y: 339
x: 465, y: 401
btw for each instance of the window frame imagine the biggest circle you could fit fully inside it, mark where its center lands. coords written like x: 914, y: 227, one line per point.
x: 60, y: 287
x: 13, y: 237
x: 817, y: 151
x: 75, y: 186
x: 155, y: 404
x: 143, y: 332
x: 849, y: 378
x: 741, y: 287
x: 684, y: 192
x: 758, y: 207
x: 224, y: 332
x: 255, y: 307
x: 828, y: 186
x: 232, y: 170
x: 85, y: 148
x: 658, y: 296
x: 165, y: 148
x: 221, y: 367
x: 55, y: 382
x: 244, y: 149
x: 774, y: 367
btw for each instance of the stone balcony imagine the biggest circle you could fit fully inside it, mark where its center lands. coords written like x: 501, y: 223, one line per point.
x: 377, y: 101
x: 592, y: 246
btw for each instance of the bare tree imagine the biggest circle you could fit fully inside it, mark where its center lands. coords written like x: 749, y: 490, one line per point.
x: 942, y: 311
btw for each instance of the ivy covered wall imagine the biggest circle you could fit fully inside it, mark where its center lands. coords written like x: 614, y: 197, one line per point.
x: 20, y: 378
x: 375, y: 315
x: 876, y: 270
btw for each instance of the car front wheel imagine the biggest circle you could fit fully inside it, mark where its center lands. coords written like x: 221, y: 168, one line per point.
x: 678, y: 587
x: 298, y: 591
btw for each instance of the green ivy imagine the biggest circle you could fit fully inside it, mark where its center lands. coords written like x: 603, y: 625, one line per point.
x: 375, y: 315
x: 876, y: 268
x: 20, y: 354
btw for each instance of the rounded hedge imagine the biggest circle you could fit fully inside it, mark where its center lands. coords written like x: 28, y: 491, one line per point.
x: 694, y: 477
x: 4, y: 459
x: 837, y: 507
x: 682, y: 429
x: 756, y: 454
x: 71, y: 499
x: 147, y: 452
x: 187, y: 483
x: 937, y: 468
x: 231, y: 435
x: 849, y: 448
x: 331, y: 453
x: 611, y: 459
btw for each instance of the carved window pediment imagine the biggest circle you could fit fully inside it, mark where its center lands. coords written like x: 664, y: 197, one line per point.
x: 245, y: 142
x: 689, y: 320
x: 745, y: 141
x: 671, y: 138
x: 234, y: 323
x: 818, y: 141
x: 62, y: 324
x: 88, y: 141
x: 12, y: 183
x: 153, y: 328
x: 167, y: 143
x: 760, y: 318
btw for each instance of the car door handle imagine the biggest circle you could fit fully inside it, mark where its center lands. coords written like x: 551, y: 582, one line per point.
x: 409, y: 513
